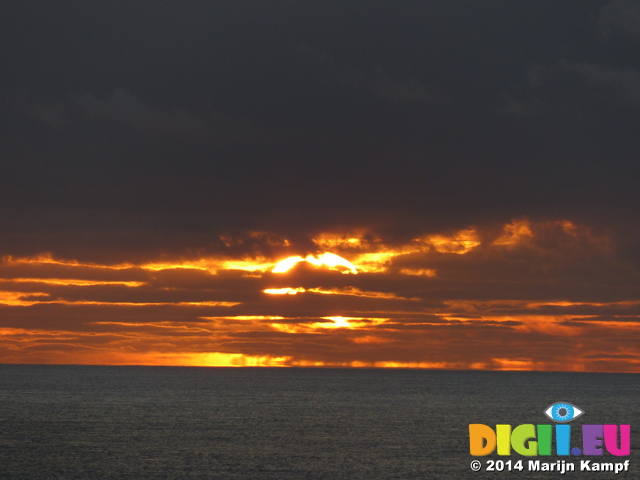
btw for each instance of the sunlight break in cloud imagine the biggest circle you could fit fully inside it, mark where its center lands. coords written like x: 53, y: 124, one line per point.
x: 329, y: 260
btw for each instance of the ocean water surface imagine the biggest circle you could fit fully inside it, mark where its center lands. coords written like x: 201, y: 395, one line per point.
x: 100, y: 422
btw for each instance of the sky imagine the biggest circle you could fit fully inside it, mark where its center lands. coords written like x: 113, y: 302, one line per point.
x: 445, y: 184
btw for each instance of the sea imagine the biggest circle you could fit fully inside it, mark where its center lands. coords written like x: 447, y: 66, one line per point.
x: 133, y: 422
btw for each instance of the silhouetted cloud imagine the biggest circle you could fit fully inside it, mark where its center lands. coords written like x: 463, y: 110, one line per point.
x: 474, y: 162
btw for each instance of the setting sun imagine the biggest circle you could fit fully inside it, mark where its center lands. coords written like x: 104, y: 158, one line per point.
x: 329, y: 260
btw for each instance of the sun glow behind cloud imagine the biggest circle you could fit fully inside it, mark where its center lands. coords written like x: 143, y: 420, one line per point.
x: 460, y: 299
x: 326, y: 259
x: 329, y: 323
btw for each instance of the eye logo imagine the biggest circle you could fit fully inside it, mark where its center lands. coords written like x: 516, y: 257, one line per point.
x: 563, y: 412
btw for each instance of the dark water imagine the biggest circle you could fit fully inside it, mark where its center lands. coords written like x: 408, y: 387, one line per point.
x: 76, y: 422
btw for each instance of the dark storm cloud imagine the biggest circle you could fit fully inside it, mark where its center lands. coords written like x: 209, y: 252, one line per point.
x: 376, y: 81
x: 153, y: 128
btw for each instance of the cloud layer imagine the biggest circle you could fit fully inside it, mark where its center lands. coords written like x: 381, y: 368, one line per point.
x: 553, y: 296
x: 470, y: 167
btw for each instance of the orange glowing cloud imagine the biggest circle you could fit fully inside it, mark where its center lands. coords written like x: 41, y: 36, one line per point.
x: 426, y: 272
x: 368, y: 253
x: 284, y: 291
x: 552, y: 295
x: 73, y: 282
x: 514, y: 233
x: 48, y: 259
x: 348, y: 291
x: 353, y: 241
x: 460, y: 243
x: 22, y: 298
x: 211, y: 264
